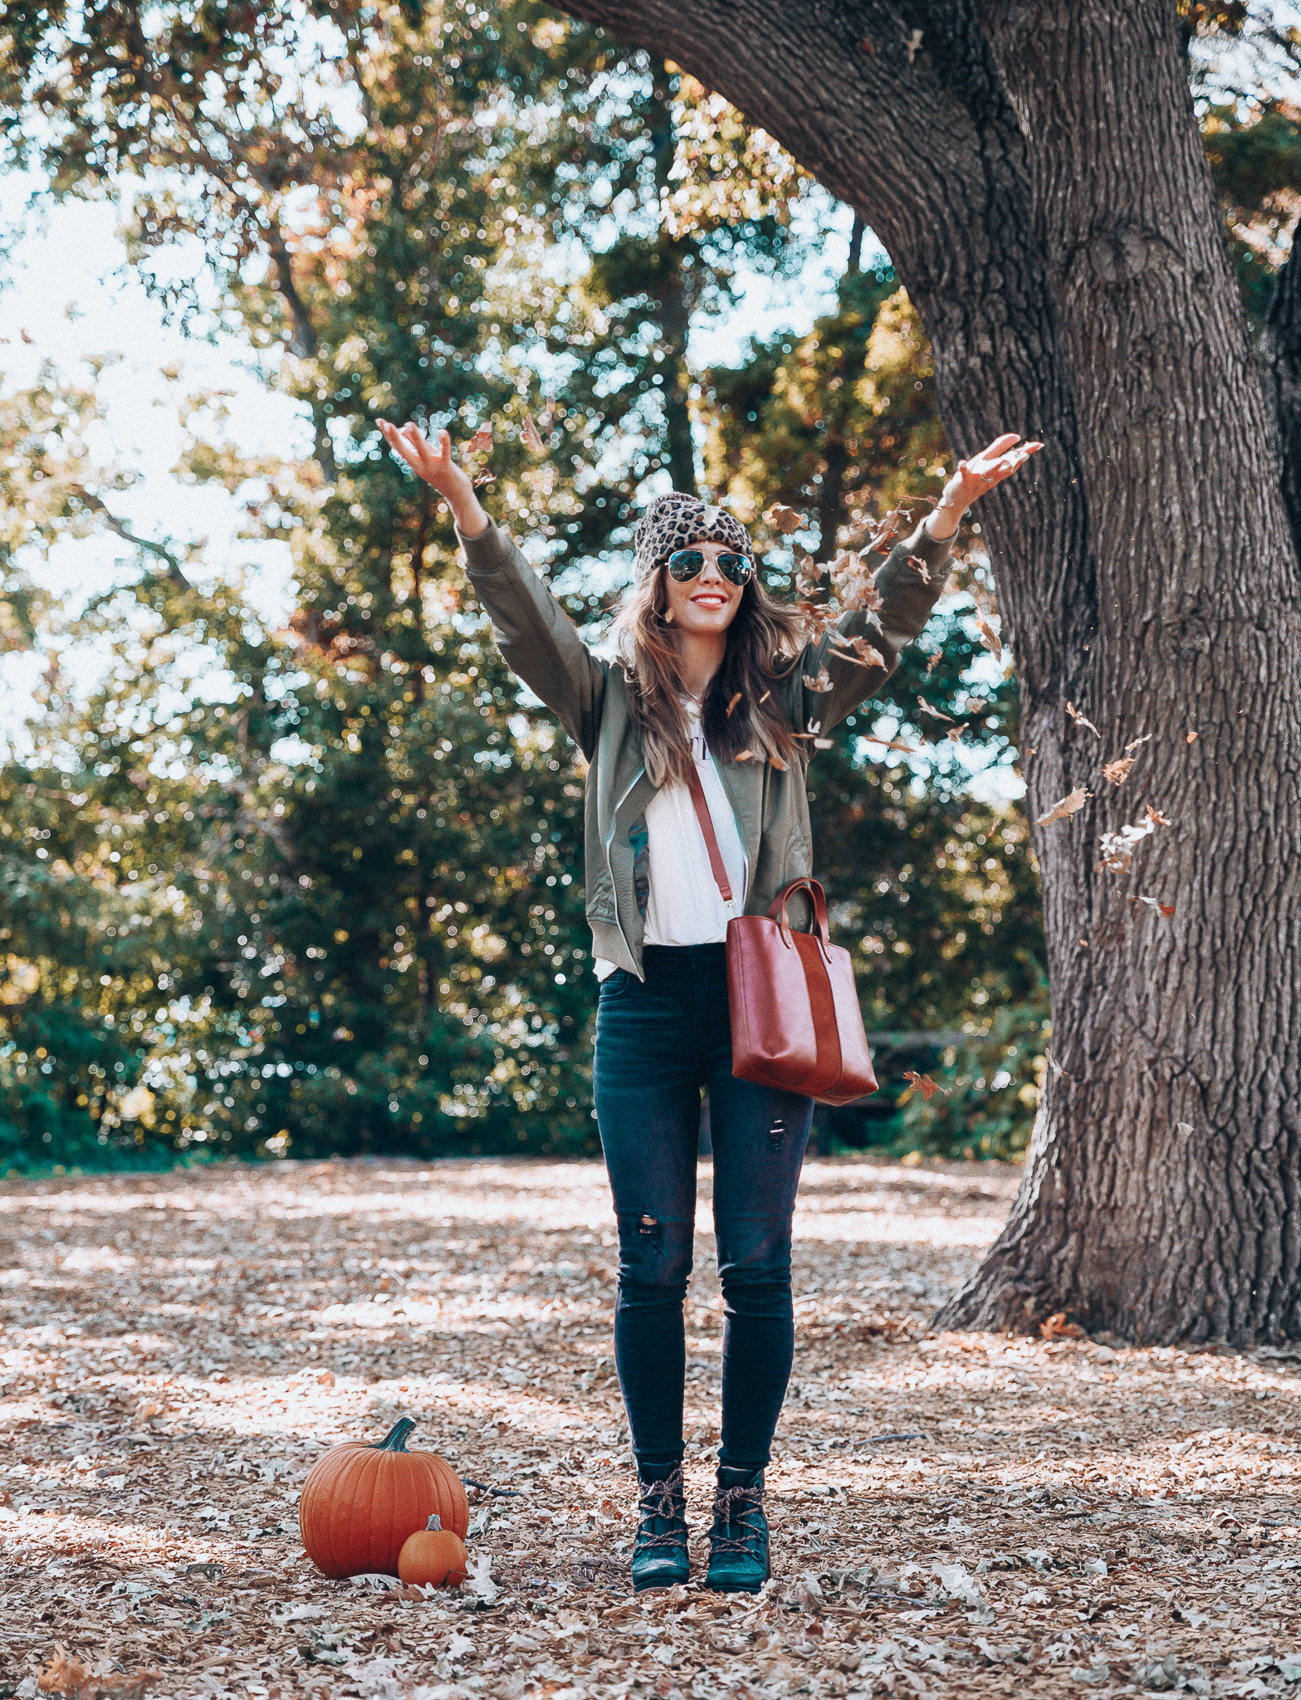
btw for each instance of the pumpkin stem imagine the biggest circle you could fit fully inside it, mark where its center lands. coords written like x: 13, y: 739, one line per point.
x: 396, y: 1438
x: 435, y: 1522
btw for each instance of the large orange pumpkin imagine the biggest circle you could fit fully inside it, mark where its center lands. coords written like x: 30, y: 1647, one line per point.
x: 360, y: 1502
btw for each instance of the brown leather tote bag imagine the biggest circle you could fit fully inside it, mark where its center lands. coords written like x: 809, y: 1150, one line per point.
x: 796, y: 1024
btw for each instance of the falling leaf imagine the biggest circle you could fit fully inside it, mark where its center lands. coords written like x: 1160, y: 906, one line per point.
x: 1070, y: 804
x: 1118, y: 847
x: 746, y: 755
x: 765, y: 696
x: 1056, y: 1067
x: 954, y: 734
x: 481, y: 441
x: 1133, y: 744
x: 913, y: 45
x: 858, y: 650
x: 920, y: 568
x: 531, y: 437
x: 1118, y: 771
x: 731, y: 705
x: 891, y: 744
x: 1081, y: 720
x: 784, y: 519
x: 777, y: 761
x: 1184, y: 1127
x: 989, y: 636
x: 1192, y: 737
x: 865, y: 46
x: 822, y: 743
x: 933, y: 712
x: 1155, y: 903
x: 925, y: 1085
x: 934, y: 658
x: 484, y: 478
x: 821, y: 684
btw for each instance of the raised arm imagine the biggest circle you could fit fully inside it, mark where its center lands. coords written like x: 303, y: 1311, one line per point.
x: 910, y: 582
x: 535, y: 635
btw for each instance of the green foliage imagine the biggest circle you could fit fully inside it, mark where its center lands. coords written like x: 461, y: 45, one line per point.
x: 988, y: 1090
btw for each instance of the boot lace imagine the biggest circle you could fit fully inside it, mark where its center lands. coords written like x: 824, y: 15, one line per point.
x: 661, y: 1502
x: 738, y: 1519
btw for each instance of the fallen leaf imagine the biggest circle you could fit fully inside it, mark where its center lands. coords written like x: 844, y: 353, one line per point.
x: 933, y: 712
x: 784, y: 519
x: 531, y: 437
x: 1070, y: 804
x: 479, y: 1580
x: 1056, y: 1327
x: 989, y: 636
x: 925, y: 1085
x: 1081, y: 719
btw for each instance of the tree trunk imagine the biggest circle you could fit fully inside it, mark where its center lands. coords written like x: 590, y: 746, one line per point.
x: 1036, y: 175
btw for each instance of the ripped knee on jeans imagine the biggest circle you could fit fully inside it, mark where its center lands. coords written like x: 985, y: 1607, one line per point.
x: 651, y: 1229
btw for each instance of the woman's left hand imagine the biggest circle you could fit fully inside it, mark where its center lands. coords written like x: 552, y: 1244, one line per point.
x: 973, y: 477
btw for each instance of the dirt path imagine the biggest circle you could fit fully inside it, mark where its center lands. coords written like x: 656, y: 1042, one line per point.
x: 963, y: 1515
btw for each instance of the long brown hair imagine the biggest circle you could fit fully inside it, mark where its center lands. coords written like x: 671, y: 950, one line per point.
x: 762, y: 641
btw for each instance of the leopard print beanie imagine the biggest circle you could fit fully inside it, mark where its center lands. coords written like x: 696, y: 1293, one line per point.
x: 677, y: 521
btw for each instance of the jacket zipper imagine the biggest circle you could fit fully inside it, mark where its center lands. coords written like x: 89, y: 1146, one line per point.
x: 610, y: 865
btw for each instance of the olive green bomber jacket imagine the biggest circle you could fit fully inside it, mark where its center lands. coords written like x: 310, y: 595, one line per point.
x: 588, y: 695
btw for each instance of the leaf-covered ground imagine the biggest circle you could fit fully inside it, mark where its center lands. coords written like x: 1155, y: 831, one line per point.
x: 962, y: 1515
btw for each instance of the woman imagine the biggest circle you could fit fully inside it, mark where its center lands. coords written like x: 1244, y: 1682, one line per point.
x: 711, y: 675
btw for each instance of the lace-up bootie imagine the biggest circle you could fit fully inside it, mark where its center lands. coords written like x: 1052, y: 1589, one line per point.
x: 738, y: 1541
x: 659, y: 1554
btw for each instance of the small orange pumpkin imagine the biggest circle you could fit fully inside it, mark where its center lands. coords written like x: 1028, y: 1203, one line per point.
x: 361, y: 1501
x: 433, y: 1556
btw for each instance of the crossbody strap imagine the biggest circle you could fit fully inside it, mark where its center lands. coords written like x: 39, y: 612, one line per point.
x: 707, y: 829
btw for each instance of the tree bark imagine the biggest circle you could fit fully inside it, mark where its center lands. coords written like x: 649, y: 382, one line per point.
x: 1036, y: 175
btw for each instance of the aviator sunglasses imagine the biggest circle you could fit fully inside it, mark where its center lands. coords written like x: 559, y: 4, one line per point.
x: 684, y: 564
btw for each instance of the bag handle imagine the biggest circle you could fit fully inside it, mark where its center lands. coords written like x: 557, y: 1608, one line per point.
x: 818, y: 897
x: 707, y: 829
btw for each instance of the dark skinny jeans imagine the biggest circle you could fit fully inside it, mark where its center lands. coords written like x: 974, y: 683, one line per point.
x: 658, y: 1042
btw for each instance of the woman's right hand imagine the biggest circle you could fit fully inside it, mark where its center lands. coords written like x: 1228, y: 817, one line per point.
x: 438, y: 468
